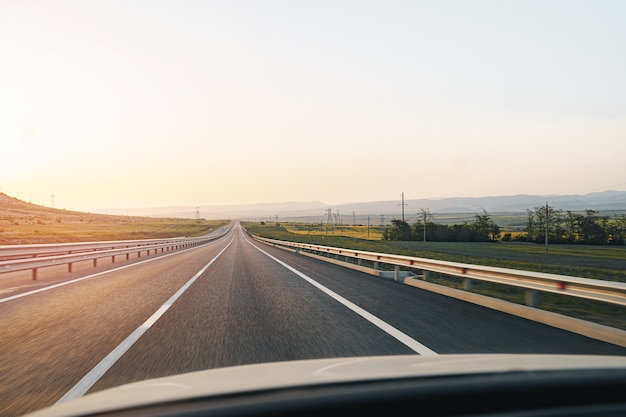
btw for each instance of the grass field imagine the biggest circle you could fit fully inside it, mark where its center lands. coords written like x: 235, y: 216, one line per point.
x: 359, y: 232
x: 597, y: 262
x: 104, y: 229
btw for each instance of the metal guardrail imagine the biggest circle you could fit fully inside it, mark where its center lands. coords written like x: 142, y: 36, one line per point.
x: 9, y: 252
x: 32, y: 257
x: 594, y: 289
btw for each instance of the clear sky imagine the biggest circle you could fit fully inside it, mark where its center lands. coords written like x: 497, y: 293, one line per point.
x: 137, y: 103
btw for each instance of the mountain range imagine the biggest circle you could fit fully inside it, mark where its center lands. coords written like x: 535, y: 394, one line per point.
x: 613, y: 201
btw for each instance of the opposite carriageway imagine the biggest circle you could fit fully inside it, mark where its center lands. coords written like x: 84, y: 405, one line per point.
x: 35, y: 256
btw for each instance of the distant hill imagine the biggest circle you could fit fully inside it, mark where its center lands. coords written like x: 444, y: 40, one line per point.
x: 11, y: 207
x: 316, y: 210
x: 14, y: 210
x: 26, y: 223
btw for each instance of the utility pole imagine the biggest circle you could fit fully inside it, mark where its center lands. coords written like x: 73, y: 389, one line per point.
x: 329, y: 219
x: 340, y: 223
x: 52, y: 200
x: 353, y: 219
x: 197, y: 214
x: 547, y: 223
x: 368, y: 226
x: 426, y: 214
x: 402, y: 204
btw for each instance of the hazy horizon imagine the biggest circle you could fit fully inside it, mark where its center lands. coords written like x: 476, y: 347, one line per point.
x: 137, y: 103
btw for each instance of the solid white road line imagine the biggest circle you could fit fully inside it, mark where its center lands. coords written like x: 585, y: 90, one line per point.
x: 400, y: 336
x: 105, y: 364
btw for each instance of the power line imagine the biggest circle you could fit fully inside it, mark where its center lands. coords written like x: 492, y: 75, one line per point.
x: 329, y: 219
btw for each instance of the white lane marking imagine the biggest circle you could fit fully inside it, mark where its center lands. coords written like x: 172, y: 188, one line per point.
x: 51, y: 287
x: 400, y: 336
x: 105, y: 364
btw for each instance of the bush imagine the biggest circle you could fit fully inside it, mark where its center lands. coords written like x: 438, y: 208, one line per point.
x: 520, y: 238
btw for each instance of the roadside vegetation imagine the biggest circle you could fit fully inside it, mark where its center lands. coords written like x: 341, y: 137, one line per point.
x: 541, y: 224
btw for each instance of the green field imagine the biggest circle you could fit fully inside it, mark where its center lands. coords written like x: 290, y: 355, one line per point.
x: 597, y: 262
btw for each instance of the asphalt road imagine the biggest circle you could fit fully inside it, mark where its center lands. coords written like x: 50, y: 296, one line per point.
x: 233, y: 301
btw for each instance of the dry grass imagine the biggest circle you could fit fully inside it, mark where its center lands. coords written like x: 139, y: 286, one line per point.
x: 357, y: 232
x: 22, y: 223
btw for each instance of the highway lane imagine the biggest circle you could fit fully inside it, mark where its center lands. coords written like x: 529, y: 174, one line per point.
x: 443, y: 324
x: 256, y: 310
x: 52, y: 339
x: 246, y: 307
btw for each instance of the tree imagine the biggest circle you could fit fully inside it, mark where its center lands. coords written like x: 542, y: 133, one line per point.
x: 530, y: 222
x: 592, y: 231
x: 617, y: 230
x: 485, y: 228
x: 572, y: 231
x: 400, y: 230
x: 546, y: 220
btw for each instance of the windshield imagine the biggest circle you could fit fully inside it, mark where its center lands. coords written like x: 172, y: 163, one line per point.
x: 456, y: 166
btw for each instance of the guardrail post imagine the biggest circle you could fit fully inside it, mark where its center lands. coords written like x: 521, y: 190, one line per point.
x: 396, y: 273
x: 69, y: 267
x: 376, y: 265
x: 532, y: 298
x: 426, y: 275
x: 467, y: 284
x: 34, y: 274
